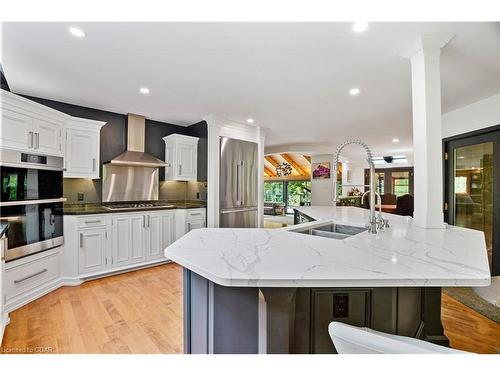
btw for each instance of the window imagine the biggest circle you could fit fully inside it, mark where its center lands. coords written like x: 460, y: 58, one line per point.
x: 273, y: 191
x: 299, y: 192
x: 400, y: 183
x: 291, y: 193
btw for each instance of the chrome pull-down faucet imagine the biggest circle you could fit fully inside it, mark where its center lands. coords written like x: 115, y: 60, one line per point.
x: 374, y: 223
x: 380, y: 221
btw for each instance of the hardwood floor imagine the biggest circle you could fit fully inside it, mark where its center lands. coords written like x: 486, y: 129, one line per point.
x: 136, y: 312
x: 141, y: 312
x: 467, y: 329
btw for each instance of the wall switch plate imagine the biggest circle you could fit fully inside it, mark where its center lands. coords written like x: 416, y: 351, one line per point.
x: 80, y: 196
x: 340, y: 305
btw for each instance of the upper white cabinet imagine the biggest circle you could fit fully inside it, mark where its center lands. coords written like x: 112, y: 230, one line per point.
x: 31, y: 127
x: 82, y: 148
x: 181, y: 152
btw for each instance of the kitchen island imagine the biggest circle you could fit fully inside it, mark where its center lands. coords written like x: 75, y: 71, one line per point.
x: 276, y: 290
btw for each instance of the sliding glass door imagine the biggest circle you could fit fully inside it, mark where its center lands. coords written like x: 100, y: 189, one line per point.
x: 473, y: 188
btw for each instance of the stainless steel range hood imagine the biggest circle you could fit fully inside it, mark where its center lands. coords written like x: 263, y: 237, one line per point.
x: 135, y: 155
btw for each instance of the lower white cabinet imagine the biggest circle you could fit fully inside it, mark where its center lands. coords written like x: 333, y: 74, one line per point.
x: 97, y: 244
x: 159, y: 233
x: 30, y: 277
x: 128, y: 239
x: 92, y: 250
x: 189, y: 219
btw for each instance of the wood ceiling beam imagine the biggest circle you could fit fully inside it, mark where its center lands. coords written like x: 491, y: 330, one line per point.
x: 294, y: 165
x: 269, y: 172
x: 307, y: 157
x: 271, y: 160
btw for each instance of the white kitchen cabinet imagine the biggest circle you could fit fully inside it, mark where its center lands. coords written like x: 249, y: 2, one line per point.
x: 17, y: 130
x: 159, y: 233
x: 189, y: 219
x: 128, y: 239
x: 3, y: 246
x: 91, y: 250
x: 181, y: 152
x: 82, y: 148
x: 48, y: 137
x: 31, y: 127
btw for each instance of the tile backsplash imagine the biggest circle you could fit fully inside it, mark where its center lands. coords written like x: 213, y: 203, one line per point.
x: 91, y: 190
x: 183, y: 190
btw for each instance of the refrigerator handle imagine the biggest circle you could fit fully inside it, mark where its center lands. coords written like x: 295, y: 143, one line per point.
x: 238, y: 183
x: 242, y: 183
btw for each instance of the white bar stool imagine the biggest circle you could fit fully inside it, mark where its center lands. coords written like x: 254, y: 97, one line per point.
x: 361, y: 340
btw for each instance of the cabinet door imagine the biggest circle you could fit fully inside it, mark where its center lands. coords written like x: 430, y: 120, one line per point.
x: 17, y: 131
x: 82, y: 159
x: 153, y: 236
x: 128, y: 239
x: 91, y: 250
x: 186, y: 159
x: 167, y: 230
x: 137, y: 232
x: 121, y: 241
x: 47, y: 138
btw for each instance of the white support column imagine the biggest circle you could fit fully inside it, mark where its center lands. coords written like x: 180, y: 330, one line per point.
x: 427, y: 140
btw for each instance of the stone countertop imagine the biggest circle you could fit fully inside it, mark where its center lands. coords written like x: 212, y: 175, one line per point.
x: 97, y: 208
x: 402, y: 255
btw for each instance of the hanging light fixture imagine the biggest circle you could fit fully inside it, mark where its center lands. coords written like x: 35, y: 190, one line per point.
x: 283, y: 170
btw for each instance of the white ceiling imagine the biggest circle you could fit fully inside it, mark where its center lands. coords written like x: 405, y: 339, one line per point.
x: 292, y: 78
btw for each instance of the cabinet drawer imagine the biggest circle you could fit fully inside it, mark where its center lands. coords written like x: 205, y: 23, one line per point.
x: 196, y: 214
x: 91, y: 221
x: 31, y: 275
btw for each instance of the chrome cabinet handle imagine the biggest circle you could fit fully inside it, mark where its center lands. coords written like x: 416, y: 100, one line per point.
x: 30, y: 276
x: 143, y: 221
x: 93, y: 165
x: 149, y: 218
x: 37, y: 135
x: 81, y: 240
x: 92, y: 221
x: 189, y: 227
x: 195, y: 214
x: 30, y: 139
x: 180, y: 169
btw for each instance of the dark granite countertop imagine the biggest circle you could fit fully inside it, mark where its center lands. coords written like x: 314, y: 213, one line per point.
x: 98, y: 208
x: 3, y: 228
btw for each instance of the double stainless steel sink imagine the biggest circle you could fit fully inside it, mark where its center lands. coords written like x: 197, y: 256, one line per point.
x: 331, y: 230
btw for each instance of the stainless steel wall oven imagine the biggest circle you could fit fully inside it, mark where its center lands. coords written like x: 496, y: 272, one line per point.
x: 31, y: 202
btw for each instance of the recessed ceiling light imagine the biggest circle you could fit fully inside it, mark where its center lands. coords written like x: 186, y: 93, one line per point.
x: 460, y: 157
x: 359, y: 27
x: 79, y: 33
x: 144, y: 90
x: 354, y: 91
x: 395, y: 140
x: 250, y: 120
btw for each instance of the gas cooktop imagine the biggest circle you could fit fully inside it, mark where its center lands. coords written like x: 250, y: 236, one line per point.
x: 136, y: 206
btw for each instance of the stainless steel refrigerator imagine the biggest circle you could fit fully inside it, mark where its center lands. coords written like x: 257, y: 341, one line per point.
x: 238, y: 183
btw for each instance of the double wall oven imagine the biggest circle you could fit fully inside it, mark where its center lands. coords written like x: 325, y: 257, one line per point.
x: 31, y: 202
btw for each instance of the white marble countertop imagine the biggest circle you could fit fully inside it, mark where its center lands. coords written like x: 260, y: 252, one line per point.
x: 402, y: 255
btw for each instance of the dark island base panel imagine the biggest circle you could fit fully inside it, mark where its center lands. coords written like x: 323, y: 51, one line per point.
x: 236, y: 320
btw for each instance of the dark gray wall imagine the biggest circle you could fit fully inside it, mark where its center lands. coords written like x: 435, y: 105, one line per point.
x: 114, y: 133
